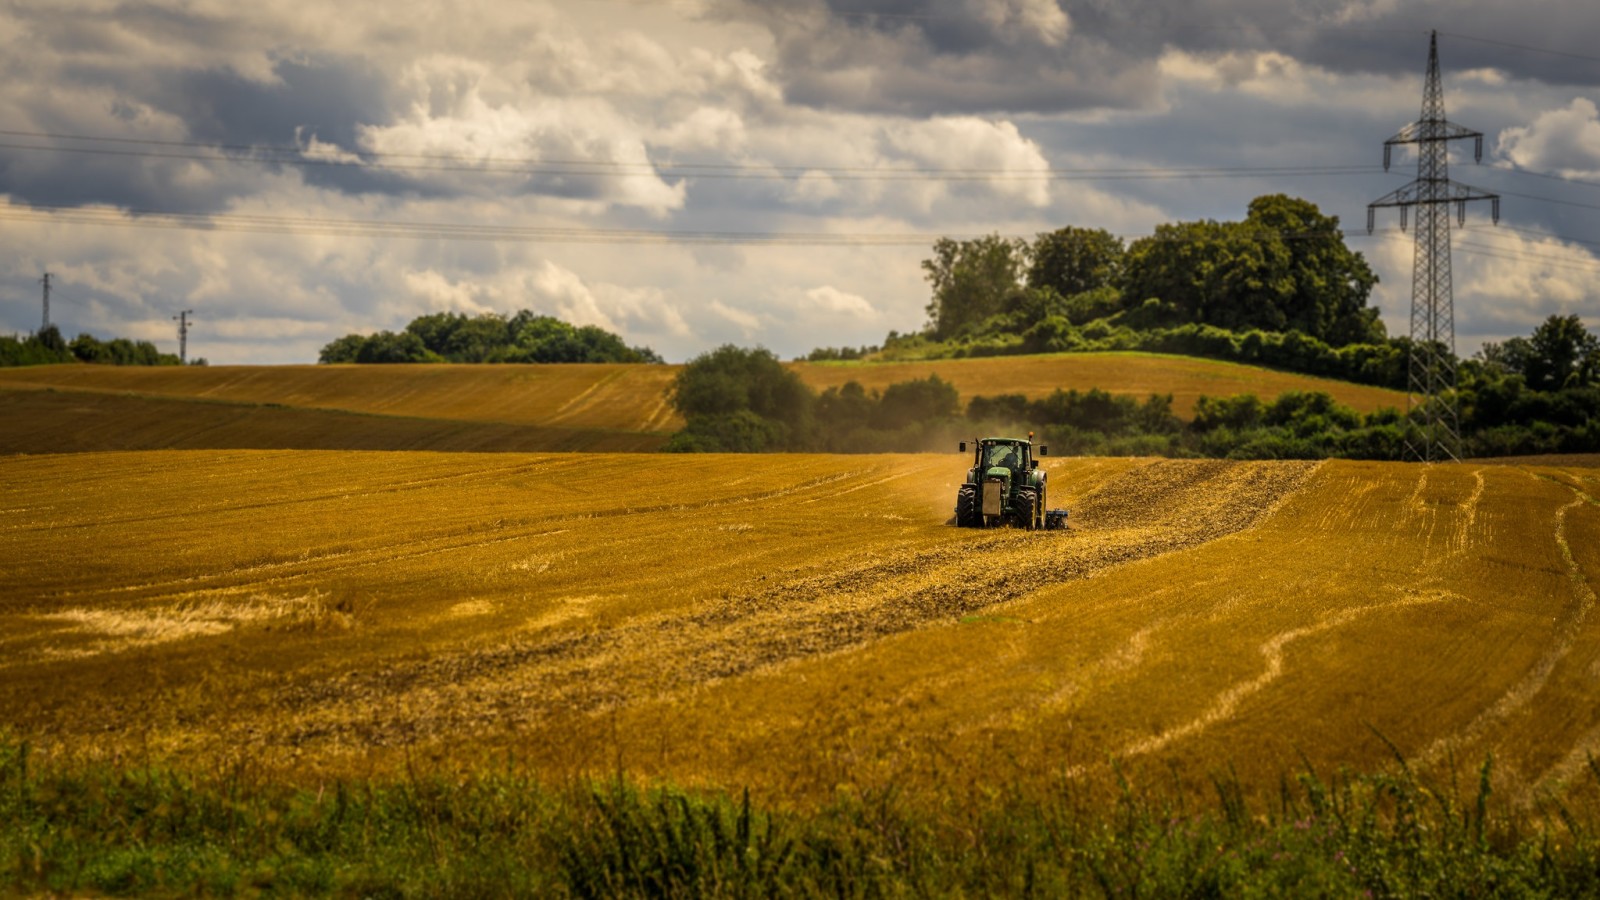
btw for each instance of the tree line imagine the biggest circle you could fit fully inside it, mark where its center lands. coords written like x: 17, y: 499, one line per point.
x: 524, y: 337
x: 1528, y: 396
x: 47, y: 346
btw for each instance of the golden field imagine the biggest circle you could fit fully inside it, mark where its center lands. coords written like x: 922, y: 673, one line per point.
x: 797, y: 623
x: 1138, y: 375
x: 75, y: 408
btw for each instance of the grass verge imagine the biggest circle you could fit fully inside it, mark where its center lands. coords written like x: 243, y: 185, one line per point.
x: 101, y: 827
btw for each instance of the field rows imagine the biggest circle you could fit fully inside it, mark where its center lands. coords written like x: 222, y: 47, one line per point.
x: 797, y: 622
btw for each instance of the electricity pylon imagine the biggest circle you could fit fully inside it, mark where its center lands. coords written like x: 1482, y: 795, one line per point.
x: 182, y: 319
x: 1434, y: 432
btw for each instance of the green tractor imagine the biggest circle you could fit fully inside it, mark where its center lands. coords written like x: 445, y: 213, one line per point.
x: 1005, y: 485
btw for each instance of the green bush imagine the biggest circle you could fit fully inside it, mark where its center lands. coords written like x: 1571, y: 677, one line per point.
x: 742, y: 400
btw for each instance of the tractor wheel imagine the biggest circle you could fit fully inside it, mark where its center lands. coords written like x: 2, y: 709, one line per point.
x: 967, y: 513
x: 1027, y: 508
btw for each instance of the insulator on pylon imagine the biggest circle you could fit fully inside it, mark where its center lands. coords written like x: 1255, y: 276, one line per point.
x: 1461, y: 212
x: 1494, y: 208
x: 1403, y: 210
x: 1386, y: 149
x: 1477, y: 149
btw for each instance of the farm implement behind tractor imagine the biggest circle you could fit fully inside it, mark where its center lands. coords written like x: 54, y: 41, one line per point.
x: 1006, y: 486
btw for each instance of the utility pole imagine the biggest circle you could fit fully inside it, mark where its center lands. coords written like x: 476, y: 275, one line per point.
x: 182, y: 319
x: 1431, y: 407
x: 46, y: 282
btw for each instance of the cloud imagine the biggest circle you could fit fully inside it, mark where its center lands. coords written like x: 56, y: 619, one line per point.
x: 747, y: 322
x: 1051, y: 56
x: 824, y: 117
x: 1563, y: 140
x: 830, y: 299
x: 578, y: 150
x: 971, y: 57
x: 1505, y: 282
x: 1511, y: 282
x: 993, y: 149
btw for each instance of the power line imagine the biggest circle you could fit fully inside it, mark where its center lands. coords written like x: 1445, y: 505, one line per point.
x: 1574, y: 203
x: 1484, y: 250
x: 1542, y: 234
x: 529, y: 166
x: 312, y: 226
x: 611, y: 169
x: 1527, y: 47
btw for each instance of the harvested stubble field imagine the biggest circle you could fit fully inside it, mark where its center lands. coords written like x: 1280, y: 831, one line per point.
x: 800, y: 623
x: 1137, y: 375
x: 597, y: 407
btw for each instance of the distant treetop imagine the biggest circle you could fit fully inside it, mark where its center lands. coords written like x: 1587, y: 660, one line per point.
x: 48, y: 346
x: 524, y: 337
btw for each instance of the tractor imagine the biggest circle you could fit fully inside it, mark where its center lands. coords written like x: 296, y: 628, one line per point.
x: 1005, y: 485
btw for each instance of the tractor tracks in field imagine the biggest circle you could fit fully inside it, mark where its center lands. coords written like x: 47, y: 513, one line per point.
x: 1154, y: 509
x: 1566, y: 629
x: 314, y: 565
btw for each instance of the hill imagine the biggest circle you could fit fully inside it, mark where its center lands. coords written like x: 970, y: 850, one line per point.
x: 810, y: 624
x: 516, y: 407
x: 1133, y: 374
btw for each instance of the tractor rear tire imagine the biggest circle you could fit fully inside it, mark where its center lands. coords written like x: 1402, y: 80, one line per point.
x: 968, y: 515
x: 1027, y: 508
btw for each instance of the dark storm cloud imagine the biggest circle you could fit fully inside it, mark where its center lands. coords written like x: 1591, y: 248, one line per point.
x: 974, y: 56
x: 898, y: 57
x: 328, y: 100
x: 219, y: 109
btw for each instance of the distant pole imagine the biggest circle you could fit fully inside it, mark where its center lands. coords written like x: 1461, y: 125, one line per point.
x: 182, y: 319
x: 46, y: 282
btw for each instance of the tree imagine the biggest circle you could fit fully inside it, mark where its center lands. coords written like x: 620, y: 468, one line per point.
x: 1073, y: 260
x: 730, y: 381
x: 1560, y: 354
x: 49, y: 338
x: 436, y: 330
x: 921, y: 400
x: 972, y: 280
x: 489, y: 338
x: 342, y: 350
x: 1285, y: 268
x: 389, y: 347
x: 847, y: 407
x: 1331, y: 282
x: 1228, y: 274
x: 475, y: 339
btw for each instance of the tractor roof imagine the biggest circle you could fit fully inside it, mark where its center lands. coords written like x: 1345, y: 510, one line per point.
x: 1006, y: 440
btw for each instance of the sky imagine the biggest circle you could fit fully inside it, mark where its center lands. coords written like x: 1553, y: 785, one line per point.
x: 690, y: 173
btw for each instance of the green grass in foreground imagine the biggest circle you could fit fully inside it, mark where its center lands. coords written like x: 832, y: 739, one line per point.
x: 99, y: 828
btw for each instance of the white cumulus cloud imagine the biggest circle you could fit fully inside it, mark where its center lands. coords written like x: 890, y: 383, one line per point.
x: 994, y: 151
x: 828, y: 298
x: 1563, y: 140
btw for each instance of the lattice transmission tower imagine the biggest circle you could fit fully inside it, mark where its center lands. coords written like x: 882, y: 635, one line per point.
x: 182, y: 319
x: 1434, y: 431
